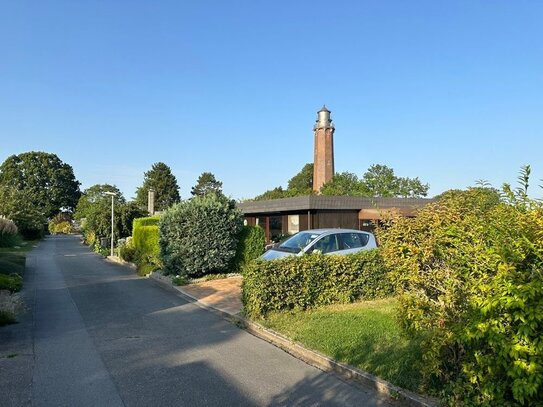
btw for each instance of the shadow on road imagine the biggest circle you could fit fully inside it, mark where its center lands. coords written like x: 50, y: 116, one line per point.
x: 162, y: 350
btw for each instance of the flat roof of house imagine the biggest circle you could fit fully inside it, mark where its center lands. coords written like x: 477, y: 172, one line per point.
x: 320, y: 202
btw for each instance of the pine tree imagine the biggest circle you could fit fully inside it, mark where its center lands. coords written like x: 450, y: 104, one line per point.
x: 164, y: 183
x: 205, y: 184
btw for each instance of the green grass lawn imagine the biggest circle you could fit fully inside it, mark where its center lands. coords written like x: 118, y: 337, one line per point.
x: 365, y: 335
x: 12, y: 259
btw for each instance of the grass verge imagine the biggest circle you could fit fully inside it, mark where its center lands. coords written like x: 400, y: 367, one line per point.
x: 12, y: 260
x: 365, y: 335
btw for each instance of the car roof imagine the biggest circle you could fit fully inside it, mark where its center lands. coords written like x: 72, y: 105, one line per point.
x: 332, y: 230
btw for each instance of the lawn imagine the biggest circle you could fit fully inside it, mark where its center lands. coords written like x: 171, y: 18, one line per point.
x: 365, y: 335
x: 12, y: 259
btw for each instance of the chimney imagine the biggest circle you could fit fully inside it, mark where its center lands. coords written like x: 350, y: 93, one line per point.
x: 151, y: 201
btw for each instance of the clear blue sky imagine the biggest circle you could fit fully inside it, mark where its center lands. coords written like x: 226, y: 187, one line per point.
x: 450, y: 92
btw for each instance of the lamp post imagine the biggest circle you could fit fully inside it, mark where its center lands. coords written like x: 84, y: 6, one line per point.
x: 112, y: 194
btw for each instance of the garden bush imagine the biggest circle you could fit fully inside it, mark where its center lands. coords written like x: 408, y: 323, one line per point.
x: 12, y: 282
x: 200, y: 235
x: 8, y: 233
x: 251, y: 244
x: 468, y: 270
x: 126, y: 249
x: 61, y: 223
x: 312, y: 280
x: 64, y: 227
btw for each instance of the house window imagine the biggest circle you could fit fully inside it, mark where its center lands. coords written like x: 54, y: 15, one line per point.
x: 276, y: 228
x: 293, y: 224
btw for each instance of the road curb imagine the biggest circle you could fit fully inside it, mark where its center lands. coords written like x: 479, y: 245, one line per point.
x: 313, y: 358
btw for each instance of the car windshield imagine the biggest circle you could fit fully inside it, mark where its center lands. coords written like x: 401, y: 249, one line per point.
x: 297, y: 242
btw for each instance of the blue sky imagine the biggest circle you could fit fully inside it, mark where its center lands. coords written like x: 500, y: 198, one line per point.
x: 451, y: 92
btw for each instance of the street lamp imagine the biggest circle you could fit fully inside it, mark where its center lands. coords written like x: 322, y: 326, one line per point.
x: 112, y: 194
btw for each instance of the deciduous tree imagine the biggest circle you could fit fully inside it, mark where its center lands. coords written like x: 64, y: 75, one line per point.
x: 344, y: 183
x: 46, y: 183
x: 302, y: 183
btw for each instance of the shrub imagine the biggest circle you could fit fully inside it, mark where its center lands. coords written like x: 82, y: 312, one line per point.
x: 64, y: 227
x: 200, y: 235
x: 145, y: 269
x: 127, y: 251
x: 468, y: 270
x: 8, y: 233
x: 12, y: 282
x: 60, y: 223
x: 251, y: 244
x: 313, y: 280
x: 10, y: 305
x: 145, y: 240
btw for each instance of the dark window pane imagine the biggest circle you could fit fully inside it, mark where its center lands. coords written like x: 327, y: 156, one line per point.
x: 351, y: 240
x: 327, y: 244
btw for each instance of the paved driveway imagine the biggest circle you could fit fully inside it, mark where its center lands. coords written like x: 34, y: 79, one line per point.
x: 98, y: 335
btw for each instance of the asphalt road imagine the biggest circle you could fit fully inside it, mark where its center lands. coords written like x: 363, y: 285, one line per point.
x: 95, y: 334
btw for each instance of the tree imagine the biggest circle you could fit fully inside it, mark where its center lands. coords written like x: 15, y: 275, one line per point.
x: 161, y: 179
x: 345, y: 183
x: 206, y: 184
x: 299, y: 185
x: 29, y: 219
x: 380, y: 181
x: 94, y: 212
x: 302, y: 183
x: 46, y: 183
x: 276, y: 193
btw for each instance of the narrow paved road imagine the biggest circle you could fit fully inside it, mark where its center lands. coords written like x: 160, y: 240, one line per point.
x: 98, y: 335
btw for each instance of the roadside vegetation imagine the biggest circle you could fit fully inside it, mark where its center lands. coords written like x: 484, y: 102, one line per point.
x: 12, y: 265
x: 467, y: 294
x: 199, y: 238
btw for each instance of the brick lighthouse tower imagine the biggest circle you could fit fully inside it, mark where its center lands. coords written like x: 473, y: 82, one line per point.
x: 323, y: 164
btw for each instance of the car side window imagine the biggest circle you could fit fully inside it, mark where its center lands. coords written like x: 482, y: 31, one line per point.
x: 327, y: 244
x: 354, y: 240
x: 364, y: 238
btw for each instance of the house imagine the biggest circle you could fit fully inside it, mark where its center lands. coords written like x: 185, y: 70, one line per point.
x: 287, y: 216
x: 280, y: 217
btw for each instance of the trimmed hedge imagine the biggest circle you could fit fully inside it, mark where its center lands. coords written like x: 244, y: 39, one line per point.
x: 251, y: 245
x: 147, y: 221
x: 313, y: 280
x: 145, y: 239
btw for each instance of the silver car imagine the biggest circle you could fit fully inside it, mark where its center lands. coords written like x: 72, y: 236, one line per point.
x: 326, y: 241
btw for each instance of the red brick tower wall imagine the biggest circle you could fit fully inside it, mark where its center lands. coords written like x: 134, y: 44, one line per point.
x: 323, y: 164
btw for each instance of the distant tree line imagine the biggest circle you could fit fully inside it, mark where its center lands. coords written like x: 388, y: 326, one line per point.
x: 378, y: 181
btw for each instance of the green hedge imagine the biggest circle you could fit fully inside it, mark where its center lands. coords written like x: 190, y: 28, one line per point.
x: 251, y: 245
x: 313, y: 280
x: 148, y: 221
x: 145, y: 240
